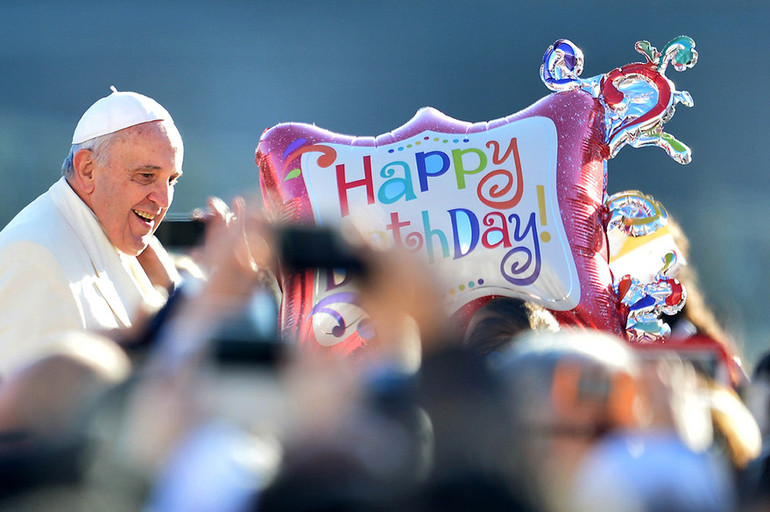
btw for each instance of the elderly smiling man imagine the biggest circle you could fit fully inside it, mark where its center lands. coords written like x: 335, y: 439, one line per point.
x: 83, y: 254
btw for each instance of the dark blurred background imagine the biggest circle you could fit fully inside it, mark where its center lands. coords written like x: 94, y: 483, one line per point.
x: 227, y: 70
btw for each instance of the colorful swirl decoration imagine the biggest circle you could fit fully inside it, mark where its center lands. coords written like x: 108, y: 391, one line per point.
x: 643, y: 302
x: 638, y: 98
x: 635, y: 214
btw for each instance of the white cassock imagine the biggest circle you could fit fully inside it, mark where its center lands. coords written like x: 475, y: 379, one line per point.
x: 59, y: 271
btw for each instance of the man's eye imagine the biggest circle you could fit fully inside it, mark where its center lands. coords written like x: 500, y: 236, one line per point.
x: 173, y: 180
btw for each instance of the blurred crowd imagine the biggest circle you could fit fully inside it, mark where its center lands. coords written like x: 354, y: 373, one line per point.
x: 204, y: 406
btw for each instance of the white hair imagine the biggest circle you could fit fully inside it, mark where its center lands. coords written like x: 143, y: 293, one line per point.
x: 98, y: 145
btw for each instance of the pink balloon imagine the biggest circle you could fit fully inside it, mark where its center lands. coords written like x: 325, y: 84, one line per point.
x: 578, y: 181
x: 510, y: 207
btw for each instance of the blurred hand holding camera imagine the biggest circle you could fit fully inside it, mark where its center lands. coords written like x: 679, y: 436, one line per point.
x: 236, y: 250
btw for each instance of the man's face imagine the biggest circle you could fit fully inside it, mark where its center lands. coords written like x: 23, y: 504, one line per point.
x: 133, y: 191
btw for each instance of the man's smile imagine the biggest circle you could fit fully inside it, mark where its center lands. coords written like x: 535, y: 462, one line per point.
x: 145, y: 216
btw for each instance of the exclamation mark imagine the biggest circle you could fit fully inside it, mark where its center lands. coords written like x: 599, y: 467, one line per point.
x: 545, y: 236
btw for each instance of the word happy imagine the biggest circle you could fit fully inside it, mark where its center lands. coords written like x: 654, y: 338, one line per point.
x: 412, y: 189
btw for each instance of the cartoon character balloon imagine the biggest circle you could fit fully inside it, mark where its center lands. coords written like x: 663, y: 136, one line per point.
x: 510, y: 207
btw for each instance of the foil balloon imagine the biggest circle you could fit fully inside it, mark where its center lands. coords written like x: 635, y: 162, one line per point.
x: 635, y: 214
x: 644, y: 259
x: 644, y: 302
x: 639, y: 236
x: 512, y: 206
x: 638, y: 98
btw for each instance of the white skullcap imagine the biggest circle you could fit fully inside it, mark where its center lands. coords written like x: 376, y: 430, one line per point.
x: 115, y: 112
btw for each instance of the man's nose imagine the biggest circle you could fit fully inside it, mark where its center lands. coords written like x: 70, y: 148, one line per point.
x: 162, y: 194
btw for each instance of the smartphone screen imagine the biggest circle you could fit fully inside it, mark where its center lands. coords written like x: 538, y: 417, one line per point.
x: 304, y: 247
x: 179, y: 233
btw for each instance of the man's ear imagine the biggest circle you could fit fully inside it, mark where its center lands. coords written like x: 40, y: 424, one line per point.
x: 83, y: 163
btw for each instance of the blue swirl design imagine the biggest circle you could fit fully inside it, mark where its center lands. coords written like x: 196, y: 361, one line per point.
x: 562, y: 65
x: 323, y: 306
x: 291, y: 147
